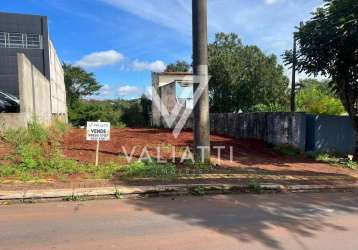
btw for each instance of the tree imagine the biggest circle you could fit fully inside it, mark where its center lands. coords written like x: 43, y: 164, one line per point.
x: 146, y: 110
x: 178, y: 66
x: 120, y: 113
x: 243, y: 77
x: 316, y: 97
x: 94, y: 110
x: 328, y: 45
x: 79, y: 83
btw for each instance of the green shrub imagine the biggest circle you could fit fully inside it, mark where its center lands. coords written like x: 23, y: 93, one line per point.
x: 336, y: 160
x: 60, y: 127
x: 38, y: 153
x: 149, y: 170
x: 37, y: 150
x: 37, y: 132
x: 254, y: 186
x: 16, y: 137
x: 7, y: 171
x: 31, y: 156
x: 197, y: 191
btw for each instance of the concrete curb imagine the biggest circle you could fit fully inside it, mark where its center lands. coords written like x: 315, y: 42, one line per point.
x: 198, y: 189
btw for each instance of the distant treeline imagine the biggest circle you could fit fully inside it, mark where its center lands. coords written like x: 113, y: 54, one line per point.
x: 120, y: 113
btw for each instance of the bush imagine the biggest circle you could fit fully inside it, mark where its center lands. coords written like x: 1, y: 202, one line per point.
x: 37, y: 148
x: 38, y: 154
x: 149, y: 170
x: 336, y: 160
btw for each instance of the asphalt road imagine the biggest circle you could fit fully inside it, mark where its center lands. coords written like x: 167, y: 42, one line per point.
x: 281, y: 221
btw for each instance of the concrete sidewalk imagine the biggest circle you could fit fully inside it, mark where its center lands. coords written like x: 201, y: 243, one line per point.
x: 158, y: 190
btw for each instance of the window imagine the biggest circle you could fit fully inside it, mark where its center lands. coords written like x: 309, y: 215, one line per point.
x: 20, y: 40
x: 15, y: 40
x: 184, y: 95
x: 33, y: 41
x: 2, y: 39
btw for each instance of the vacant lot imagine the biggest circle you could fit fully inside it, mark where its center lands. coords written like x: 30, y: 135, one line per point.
x: 249, y: 155
x: 126, y: 141
x: 253, y: 161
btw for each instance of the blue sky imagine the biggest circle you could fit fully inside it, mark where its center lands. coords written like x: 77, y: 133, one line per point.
x: 122, y: 41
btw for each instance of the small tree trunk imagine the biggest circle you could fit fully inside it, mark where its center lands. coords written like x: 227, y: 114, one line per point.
x: 349, y: 100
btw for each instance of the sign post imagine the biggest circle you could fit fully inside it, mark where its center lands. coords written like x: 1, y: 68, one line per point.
x: 98, y: 131
x: 97, y: 153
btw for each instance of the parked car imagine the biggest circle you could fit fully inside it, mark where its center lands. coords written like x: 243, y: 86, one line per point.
x: 9, y: 103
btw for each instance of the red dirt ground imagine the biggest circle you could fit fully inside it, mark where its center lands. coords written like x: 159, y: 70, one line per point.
x: 252, y: 159
x: 123, y: 141
x: 5, y: 150
x: 248, y: 153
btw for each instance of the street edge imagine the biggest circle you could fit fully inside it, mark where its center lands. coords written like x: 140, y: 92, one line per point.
x: 166, y: 190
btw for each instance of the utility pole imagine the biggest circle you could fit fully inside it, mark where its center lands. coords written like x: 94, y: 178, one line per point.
x: 294, y: 66
x: 200, y: 68
x: 293, y: 85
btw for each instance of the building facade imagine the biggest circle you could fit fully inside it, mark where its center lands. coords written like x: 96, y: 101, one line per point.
x: 174, y: 89
x: 27, y: 37
x: 25, y: 34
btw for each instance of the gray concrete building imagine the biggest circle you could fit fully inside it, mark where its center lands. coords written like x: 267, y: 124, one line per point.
x: 25, y: 34
x: 28, y: 61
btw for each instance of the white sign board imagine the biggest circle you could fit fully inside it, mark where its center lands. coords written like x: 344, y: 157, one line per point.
x: 98, y: 131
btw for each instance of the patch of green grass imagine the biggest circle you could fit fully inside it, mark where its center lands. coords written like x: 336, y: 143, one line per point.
x: 198, y: 191
x: 101, y: 172
x: 336, y: 160
x: 6, y: 171
x: 254, y: 186
x: 73, y: 197
x: 118, y: 194
x: 25, y: 176
x: 63, y: 178
x: 149, y: 170
x: 202, y: 167
x: 287, y: 150
x: 38, y: 153
x: 60, y: 127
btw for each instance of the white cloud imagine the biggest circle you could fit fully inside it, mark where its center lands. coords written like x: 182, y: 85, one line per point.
x: 174, y: 14
x: 156, y: 66
x: 272, y: 2
x: 106, y: 90
x: 265, y: 23
x: 100, y: 59
x: 129, y: 91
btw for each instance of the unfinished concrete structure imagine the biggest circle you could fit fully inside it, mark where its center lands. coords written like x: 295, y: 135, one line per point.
x: 173, y: 88
x: 30, y: 70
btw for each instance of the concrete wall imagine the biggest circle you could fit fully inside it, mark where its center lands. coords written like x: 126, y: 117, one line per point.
x: 156, y: 116
x: 58, y: 90
x: 274, y: 128
x: 167, y: 94
x: 168, y: 98
x: 14, y: 120
x: 35, y: 97
x: 315, y: 133
x: 330, y: 134
x: 8, y: 56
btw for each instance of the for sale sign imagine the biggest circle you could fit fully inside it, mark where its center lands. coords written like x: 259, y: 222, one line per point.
x: 98, y: 131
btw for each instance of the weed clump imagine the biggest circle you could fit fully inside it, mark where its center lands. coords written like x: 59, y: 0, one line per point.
x: 337, y: 161
x: 149, y: 169
x: 37, y: 151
